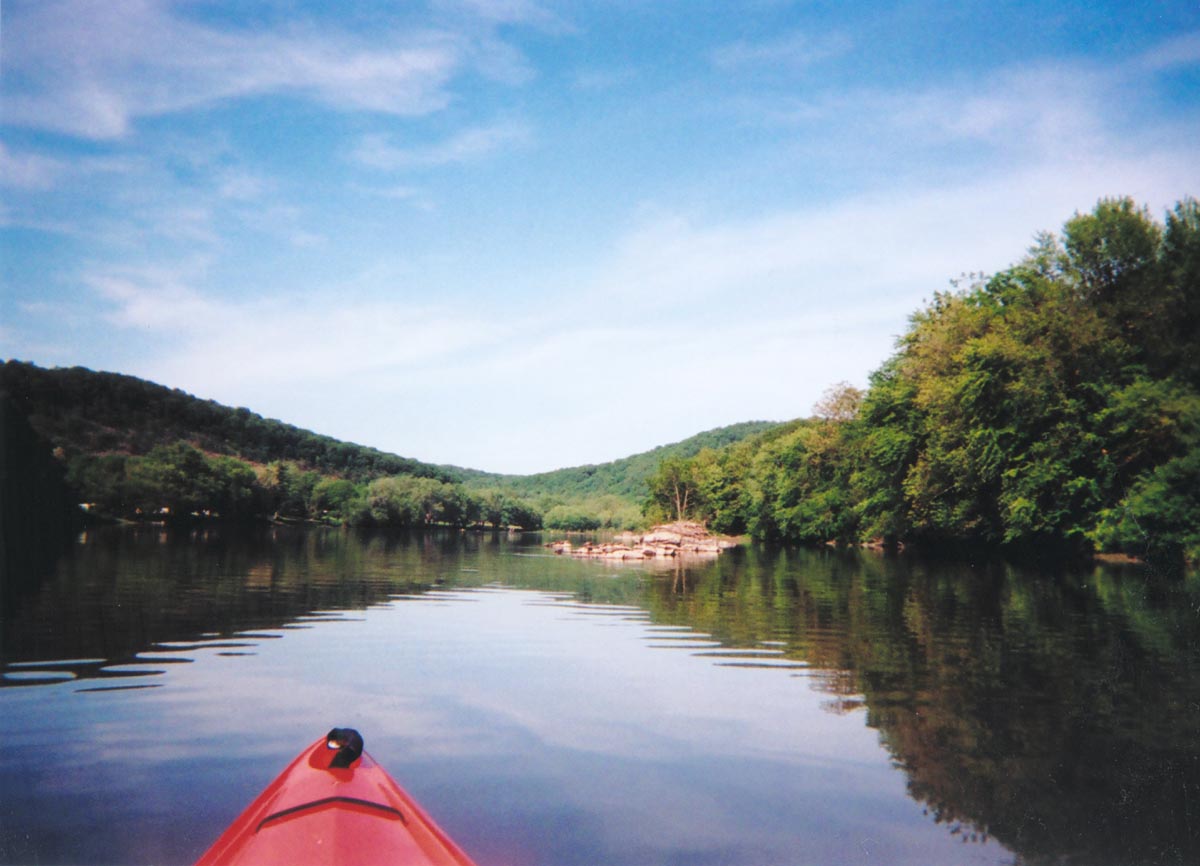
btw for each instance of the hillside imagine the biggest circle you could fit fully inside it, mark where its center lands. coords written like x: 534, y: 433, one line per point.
x: 85, y: 412
x: 132, y: 447
x: 626, y: 477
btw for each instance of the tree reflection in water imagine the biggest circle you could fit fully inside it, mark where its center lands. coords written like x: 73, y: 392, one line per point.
x: 1055, y: 712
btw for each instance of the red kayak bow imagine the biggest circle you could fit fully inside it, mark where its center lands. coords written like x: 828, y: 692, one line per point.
x: 334, y: 805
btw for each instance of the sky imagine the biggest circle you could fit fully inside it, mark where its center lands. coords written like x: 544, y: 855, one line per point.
x: 516, y: 235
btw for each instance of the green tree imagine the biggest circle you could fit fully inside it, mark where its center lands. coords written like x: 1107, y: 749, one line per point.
x: 519, y: 513
x: 236, y: 484
x: 1114, y: 255
x: 100, y: 481
x: 335, y: 498
x: 179, y: 481
x: 892, y: 436
x: 396, y: 501
x: 571, y: 518
x: 1181, y: 271
x: 805, y: 486
x: 674, y: 490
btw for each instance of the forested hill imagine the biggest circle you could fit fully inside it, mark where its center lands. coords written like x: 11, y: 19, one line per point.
x: 85, y: 412
x: 626, y: 477
x: 134, y: 449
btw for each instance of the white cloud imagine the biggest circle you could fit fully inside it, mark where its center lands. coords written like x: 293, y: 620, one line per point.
x: 91, y: 68
x: 1027, y: 114
x: 28, y: 171
x: 1052, y: 109
x: 469, y: 145
x: 398, y: 192
x: 604, y: 78
x: 213, y: 344
x: 790, y: 51
x: 239, y: 185
x: 507, y: 12
x: 154, y: 300
x: 908, y: 239
x: 1183, y: 50
x: 1021, y: 115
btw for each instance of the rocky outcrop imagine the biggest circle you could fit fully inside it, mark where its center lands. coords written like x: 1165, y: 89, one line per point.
x: 667, y: 540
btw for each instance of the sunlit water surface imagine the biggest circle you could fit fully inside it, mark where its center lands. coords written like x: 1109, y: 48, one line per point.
x: 765, y: 708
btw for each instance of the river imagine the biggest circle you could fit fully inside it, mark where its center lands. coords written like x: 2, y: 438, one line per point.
x: 767, y: 707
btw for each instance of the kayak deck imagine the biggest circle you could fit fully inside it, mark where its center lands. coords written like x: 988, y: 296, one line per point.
x: 337, y: 806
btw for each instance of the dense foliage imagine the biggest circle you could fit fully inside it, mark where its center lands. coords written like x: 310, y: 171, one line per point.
x: 180, y: 482
x: 1056, y: 404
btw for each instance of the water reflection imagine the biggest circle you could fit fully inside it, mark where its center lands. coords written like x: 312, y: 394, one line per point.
x: 124, y: 592
x: 1055, y: 713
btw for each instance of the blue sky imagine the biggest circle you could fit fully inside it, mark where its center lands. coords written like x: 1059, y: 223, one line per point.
x: 516, y: 235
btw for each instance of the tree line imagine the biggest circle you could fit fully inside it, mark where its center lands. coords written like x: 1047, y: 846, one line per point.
x: 1055, y: 404
x: 179, y: 482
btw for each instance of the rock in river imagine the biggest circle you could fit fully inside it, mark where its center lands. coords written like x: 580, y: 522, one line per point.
x: 683, y: 538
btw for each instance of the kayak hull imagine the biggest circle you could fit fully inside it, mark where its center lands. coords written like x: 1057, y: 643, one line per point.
x: 319, y: 813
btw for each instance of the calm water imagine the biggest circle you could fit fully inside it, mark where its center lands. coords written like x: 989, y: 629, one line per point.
x: 766, y: 708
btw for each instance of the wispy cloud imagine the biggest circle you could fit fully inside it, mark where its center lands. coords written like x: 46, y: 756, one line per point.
x: 30, y: 171
x: 91, y: 69
x: 598, y: 79
x: 380, y: 151
x: 791, y: 51
x: 507, y: 12
x: 1048, y: 108
x: 398, y: 193
x: 411, y: 196
x: 906, y: 242
x: 1181, y: 51
x: 239, y: 185
x: 214, y: 343
x: 155, y: 299
x: 1065, y: 111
